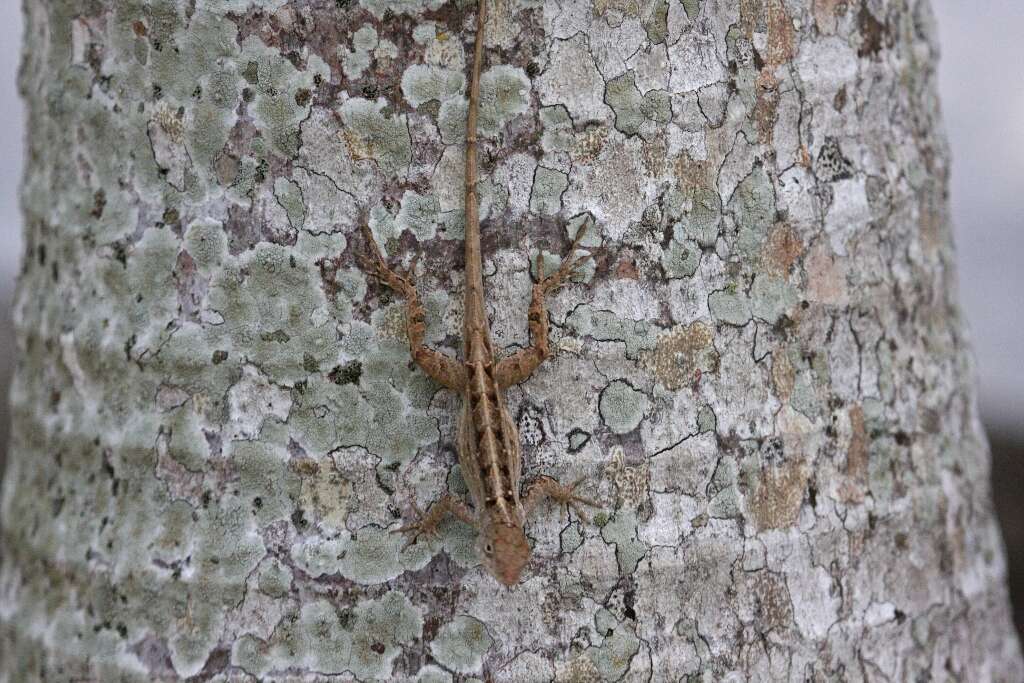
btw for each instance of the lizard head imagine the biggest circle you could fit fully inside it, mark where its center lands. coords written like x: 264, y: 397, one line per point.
x: 504, y: 551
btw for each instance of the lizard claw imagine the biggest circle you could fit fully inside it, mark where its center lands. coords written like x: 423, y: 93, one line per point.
x: 570, y: 268
x: 561, y: 494
x: 421, y: 527
x: 374, y: 264
x: 575, y: 502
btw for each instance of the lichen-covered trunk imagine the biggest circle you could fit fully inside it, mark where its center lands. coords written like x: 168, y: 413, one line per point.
x: 766, y: 380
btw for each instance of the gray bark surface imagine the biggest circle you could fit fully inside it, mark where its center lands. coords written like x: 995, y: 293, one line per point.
x: 765, y: 377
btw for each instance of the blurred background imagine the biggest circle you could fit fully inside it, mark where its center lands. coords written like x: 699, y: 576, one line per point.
x: 981, y: 77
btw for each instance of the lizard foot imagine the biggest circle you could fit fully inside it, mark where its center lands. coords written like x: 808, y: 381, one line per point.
x: 374, y: 264
x: 565, y: 496
x: 425, y: 525
x: 570, y: 268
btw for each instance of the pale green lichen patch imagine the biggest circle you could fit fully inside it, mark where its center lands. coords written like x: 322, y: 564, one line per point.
x: 558, y: 133
x: 637, y: 335
x: 753, y: 203
x: 422, y: 83
x: 206, y: 242
x: 636, y: 113
x: 418, y: 214
x: 771, y: 298
x: 612, y: 657
x: 364, y: 640
x: 372, y: 134
x: 622, y: 407
x: 504, y: 94
x: 702, y: 222
x: 370, y: 556
x: 357, y: 60
x: 279, y: 106
x: 289, y: 196
x: 461, y: 644
x: 729, y: 307
x: 265, y: 480
x: 548, y: 186
x: 275, y: 579
x: 692, y: 7
x: 413, y: 7
x: 621, y: 532
x: 432, y: 673
x: 680, y: 260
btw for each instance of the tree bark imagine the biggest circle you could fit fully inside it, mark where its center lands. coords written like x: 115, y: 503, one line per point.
x: 765, y: 378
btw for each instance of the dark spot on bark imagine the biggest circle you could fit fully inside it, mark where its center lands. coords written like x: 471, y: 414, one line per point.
x: 279, y: 336
x: 128, y: 347
x: 532, y: 69
x: 378, y: 648
x: 832, y: 164
x: 99, y: 203
x: 628, y: 602
x: 309, y: 363
x: 839, y: 102
x: 577, y: 433
x: 299, y: 519
x: 758, y: 61
x: 812, y: 495
x: 251, y: 73
x: 902, y: 438
x: 257, y: 502
x: 303, y: 96
x: 871, y: 31
x: 349, y: 373
x: 219, y: 357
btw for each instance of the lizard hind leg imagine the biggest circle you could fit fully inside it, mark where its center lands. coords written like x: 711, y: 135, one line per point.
x: 426, y: 524
x: 519, y: 366
x: 566, y: 496
x: 443, y: 369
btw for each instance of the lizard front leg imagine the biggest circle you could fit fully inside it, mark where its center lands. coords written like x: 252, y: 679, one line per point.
x: 443, y: 369
x: 519, y: 366
x: 427, y: 523
x: 548, y: 487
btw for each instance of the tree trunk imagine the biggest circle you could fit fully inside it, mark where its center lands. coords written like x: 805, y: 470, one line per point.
x: 766, y: 378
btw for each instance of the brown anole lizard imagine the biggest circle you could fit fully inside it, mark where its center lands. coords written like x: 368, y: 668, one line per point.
x: 488, y: 442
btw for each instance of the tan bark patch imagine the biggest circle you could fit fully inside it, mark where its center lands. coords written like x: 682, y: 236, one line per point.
x: 776, y: 502
x: 825, y: 12
x: 826, y: 277
x: 853, y: 486
x: 781, y: 36
x: 783, y: 375
x: 682, y: 354
x: 630, y: 8
x: 691, y: 173
x: 766, y: 109
x: 782, y: 249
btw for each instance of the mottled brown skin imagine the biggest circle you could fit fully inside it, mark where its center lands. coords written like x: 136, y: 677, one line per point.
x: 488, y: 442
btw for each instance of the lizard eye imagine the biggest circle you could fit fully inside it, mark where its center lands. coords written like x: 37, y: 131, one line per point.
x: 488, y: 548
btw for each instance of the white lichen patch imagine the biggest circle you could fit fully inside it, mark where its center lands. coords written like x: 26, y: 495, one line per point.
x: 252, y: 400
